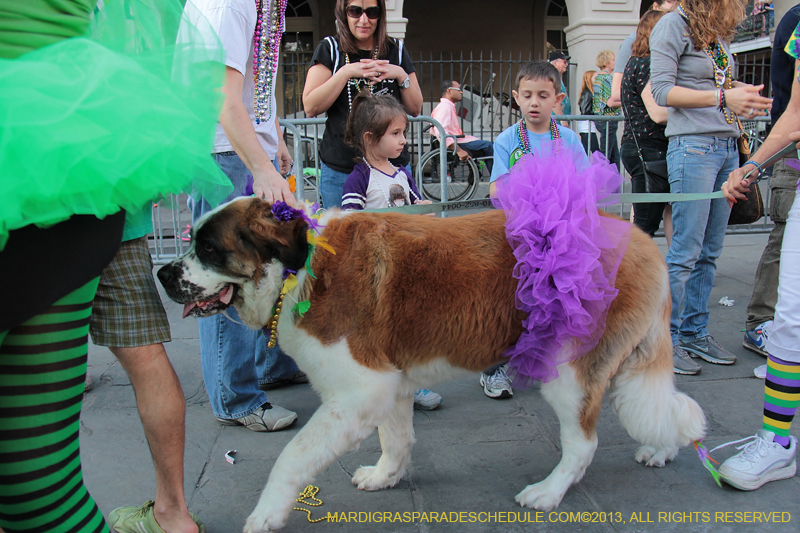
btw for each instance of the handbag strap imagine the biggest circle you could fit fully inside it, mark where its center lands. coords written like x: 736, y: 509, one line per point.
x: 633, y: 133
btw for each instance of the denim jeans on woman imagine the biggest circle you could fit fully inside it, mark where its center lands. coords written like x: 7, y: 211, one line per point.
x: 234, y: 357
x: 697, y: 164
x: 646, y: 216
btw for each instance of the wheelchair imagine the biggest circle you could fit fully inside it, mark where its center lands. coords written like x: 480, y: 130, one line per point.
x: 461, y: 179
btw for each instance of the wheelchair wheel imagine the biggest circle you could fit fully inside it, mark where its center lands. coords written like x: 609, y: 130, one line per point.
x: 461, y: 179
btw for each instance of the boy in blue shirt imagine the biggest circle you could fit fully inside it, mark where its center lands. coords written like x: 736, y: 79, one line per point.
x: 537, y: 91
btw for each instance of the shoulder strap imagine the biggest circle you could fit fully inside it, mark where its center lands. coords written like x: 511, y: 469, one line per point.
x: 630, y: 124
x: 334, y: 52
x: 399, y: 43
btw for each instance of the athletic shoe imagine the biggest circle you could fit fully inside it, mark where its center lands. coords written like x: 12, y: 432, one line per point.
x: 297, y: 378
x: 755, y: 339
x: 760, y: 372
x: 497, y: 385
x: 426, y: 400
x: 268, y: 417
x: 141, y: 519
x: 682, y: 363
x: 759, y: 462
x: 707, y: 349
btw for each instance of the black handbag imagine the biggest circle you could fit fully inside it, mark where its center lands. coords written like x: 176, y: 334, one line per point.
x: 753, y: 209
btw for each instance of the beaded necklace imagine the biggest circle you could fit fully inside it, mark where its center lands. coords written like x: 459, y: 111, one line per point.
x: 524, y: 141
x: 266, y: 47
x: 354, y: 81
x: 723, y: 72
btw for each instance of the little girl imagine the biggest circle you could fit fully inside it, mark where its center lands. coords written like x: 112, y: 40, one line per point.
x: 376, y: 129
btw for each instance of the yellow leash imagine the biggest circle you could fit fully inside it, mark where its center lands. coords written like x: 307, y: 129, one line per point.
x: 310, y: 493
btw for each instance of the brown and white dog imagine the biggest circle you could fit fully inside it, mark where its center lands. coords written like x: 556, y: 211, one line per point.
x: 409, y: 301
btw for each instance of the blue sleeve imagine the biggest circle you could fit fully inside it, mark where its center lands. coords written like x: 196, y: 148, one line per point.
x: 505, y: 143
x: 354, y: 193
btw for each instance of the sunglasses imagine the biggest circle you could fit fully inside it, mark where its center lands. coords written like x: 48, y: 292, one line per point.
x: 459, y: 89
x: 355, y: 12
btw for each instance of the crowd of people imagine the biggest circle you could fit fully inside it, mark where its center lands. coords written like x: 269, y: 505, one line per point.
x: 671, y: 79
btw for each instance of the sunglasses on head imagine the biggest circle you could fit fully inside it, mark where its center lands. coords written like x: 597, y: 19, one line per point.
x: 355, y: 12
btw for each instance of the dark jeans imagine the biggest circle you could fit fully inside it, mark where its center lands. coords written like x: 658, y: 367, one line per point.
x: 480, y: 149
x: 647, y: 216
x: 612, y: 150
x: 590, y: 143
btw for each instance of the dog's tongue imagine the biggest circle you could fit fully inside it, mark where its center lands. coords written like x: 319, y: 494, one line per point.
x: 187, y: 308
x: 226, y: 295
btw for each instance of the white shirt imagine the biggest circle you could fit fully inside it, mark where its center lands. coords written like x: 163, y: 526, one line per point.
x: 234, y: 22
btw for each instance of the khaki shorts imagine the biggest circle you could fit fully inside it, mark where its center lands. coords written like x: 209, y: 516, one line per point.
x: 127, y: 309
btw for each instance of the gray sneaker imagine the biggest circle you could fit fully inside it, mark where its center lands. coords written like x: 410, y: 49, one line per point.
x: 707, y: 349
x: 268, y: 417
x: 682, y: 363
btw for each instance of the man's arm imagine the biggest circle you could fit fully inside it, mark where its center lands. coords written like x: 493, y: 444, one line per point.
x: 267, y: 182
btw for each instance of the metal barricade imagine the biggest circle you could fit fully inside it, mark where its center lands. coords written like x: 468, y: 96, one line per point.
x: 172, y: 216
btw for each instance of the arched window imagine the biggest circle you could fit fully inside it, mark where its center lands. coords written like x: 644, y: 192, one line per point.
x: 299, y: 8
x: 556, y: 8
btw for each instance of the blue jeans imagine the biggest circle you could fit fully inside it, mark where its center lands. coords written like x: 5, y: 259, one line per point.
x: 331, y: 185
x: 480, y: 149
x: 697, y: 164
x: 235, y: 358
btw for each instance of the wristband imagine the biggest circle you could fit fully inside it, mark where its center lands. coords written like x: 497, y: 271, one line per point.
x: 751, y: 162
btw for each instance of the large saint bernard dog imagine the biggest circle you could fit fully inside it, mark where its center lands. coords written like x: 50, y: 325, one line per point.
x: 406, y: 302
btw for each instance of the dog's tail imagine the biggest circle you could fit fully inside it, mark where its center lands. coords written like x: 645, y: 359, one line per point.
x: 643, y: 394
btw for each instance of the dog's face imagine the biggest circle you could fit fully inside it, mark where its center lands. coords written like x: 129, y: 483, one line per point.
x: 238, y: 247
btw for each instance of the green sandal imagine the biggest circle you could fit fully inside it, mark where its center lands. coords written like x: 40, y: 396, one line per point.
x: 141, y: 519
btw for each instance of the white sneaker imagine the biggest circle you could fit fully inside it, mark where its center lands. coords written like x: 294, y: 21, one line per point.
x: 268, y: 417
x: 497, y: 385
x: 426, y: 400
x: 760, y: 461
x: 760, y: 372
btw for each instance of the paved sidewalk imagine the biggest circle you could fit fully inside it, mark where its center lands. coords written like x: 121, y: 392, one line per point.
x: 472, y: 454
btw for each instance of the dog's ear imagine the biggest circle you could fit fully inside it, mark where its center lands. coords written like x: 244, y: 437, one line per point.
x: 275, y: 239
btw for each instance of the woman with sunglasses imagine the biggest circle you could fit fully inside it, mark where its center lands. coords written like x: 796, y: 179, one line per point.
x: 360, y: 58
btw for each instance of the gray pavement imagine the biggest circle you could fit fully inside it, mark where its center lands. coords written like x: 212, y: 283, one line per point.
x: 472, y: 455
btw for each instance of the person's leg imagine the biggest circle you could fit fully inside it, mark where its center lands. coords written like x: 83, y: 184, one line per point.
x: 772, y: 453
x: 613, y: 147
x: 691, y: 170
x: 480, y: 149
x: 233, y: 356
x: 162, y: 408
x: 331, y: 186
x: 41, y: 390
x: 783, y: 343
x: 694, y: 318
x: 765, y: 289
x: 632, y: 163
x: 130, y: 318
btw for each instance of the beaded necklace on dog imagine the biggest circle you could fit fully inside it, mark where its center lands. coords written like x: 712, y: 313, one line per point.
x: 283, y: 212
x: 723, y: 72
x: 266, y: 47
x: 354, y: 81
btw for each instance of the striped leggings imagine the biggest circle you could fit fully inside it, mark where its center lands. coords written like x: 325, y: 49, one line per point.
x: 42, y: 373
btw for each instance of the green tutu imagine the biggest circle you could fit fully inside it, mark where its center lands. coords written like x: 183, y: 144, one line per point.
x: 114, y: 119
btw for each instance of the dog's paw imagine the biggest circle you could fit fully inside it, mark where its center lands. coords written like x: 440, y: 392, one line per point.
x: 539, y: 497
x: 372, y: 478
x: 259, y: 522
x: 657, y: 458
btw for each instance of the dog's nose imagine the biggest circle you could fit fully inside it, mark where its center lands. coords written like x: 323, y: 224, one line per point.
x: 166, y: 274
